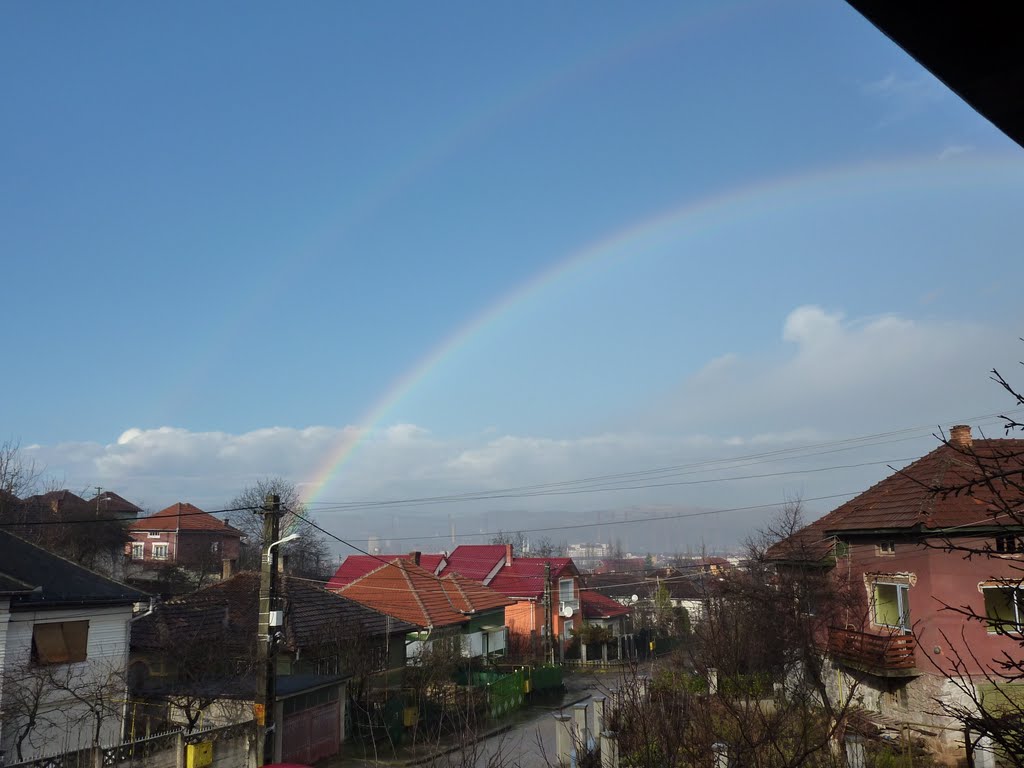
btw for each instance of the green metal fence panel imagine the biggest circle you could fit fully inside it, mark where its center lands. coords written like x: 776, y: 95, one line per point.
x: 505, y: 694
x: 546, y: 678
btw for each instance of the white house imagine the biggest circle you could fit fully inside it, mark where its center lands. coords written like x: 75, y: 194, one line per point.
x: 63, y: 653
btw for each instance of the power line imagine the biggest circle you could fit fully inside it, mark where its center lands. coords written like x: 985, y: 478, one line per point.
x: 485, y: 496
x: 83, y: 521
x: 797, y: 452
x: 676, y: 516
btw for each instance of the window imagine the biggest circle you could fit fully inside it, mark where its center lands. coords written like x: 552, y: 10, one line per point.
x: 160, y: 551
x: 891, y: 604
x: 138, y: 550
x: 1004, y: 607
x: 153, y: 535
x: 565, y: 591
x: 886, y: 547
x: 215, y: 547
x: 60, y: 642
x: 567, y: 629
x: 1008, y: 545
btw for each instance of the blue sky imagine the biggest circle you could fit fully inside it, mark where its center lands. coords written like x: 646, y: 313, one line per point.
x: 231, y: 230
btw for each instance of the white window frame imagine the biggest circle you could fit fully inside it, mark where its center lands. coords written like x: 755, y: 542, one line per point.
x: 1018, y: 609
x: 902, y: 604
x: 153, y: 535
x: 887, y: 547
x: 138, y: 550
x: 562, y: 596
x: 161, y: 551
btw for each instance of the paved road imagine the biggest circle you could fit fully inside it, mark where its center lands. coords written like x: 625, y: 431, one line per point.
x: 530, y: 743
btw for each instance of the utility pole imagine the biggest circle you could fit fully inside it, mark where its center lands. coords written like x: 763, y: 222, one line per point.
x: 266, y: 677
x: 549, y: 646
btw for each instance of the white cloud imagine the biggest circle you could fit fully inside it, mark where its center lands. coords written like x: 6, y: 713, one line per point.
x: 903, y: 97
x: 953, y: 150
x: 832, y: 377
x: 842, y: 377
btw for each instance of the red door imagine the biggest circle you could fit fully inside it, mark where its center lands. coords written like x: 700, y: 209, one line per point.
x: 311, y: 734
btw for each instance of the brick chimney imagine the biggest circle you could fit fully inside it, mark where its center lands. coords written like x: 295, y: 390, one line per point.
x: 508, y: 554
x: 414, y: 556
x: 960, y: 436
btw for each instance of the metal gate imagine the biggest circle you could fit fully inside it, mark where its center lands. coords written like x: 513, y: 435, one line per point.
x: 311, y: 734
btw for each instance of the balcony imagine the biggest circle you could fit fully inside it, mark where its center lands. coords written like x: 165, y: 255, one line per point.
x: 881, y: 655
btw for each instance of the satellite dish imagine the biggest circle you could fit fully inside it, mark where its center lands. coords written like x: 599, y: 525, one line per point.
x: 567, y: 611
x: 634, y: 598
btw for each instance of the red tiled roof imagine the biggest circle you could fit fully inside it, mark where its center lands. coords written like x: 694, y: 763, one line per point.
x: 525, y: 577
x: 907, y: 500
x: 185, y: 517
x: 594, y: 605
x: 360, y: 565
x: 472, y: 596
x: 475, y: 561
x: 412, y: 593
x: 406, y: 591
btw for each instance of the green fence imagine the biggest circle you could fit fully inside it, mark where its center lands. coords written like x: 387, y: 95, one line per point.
x: 545, y: 678
x: 505, y: 694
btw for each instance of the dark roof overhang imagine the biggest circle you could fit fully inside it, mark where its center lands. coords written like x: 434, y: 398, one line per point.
x: 974, y: 48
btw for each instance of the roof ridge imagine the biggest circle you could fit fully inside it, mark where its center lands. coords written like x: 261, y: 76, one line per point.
x: 461, y: 591
x: 72, y: 562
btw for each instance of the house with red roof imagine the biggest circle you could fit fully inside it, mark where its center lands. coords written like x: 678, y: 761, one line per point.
x: 906, y: 641
x: 607, y: 613
x: 194, y: 657
x: 533, y: 583
x: 525, y: 581
x: 184, y: 535
x: 445, y: 607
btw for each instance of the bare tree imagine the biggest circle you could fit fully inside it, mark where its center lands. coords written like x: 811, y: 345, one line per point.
x: 545, y: 547
x: 42, y: 700
x: 756, y: 678
x: 991, y: 474
x: 309, y: 557
x: 516, y: 538
x: 189, y: 657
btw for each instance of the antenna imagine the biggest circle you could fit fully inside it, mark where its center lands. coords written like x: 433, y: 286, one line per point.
x: 566, y: 611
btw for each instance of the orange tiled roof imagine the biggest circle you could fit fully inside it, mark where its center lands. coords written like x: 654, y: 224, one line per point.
x: 408, y: 592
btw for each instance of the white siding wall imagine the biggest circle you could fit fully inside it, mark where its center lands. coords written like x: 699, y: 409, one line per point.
x: 5, y: 614
x: 65, y: 724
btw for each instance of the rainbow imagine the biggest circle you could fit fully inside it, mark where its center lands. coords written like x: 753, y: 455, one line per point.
x: 681, y: 221
x: 446, y: 142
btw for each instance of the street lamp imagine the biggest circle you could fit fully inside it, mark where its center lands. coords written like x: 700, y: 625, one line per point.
x: 285, y: 540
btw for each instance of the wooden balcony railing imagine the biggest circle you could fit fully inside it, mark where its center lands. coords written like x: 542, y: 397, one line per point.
x: 881, y: 652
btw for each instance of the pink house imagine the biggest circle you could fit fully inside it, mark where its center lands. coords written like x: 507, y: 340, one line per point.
x: 905, y: 639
